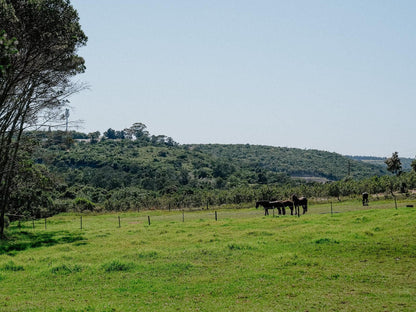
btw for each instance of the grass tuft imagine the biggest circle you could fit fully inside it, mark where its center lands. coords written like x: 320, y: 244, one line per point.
x: 117, y: 266
x: 11, y: 266
x: 326, y: 241
x: 234, y: 246
x: 65, y: 269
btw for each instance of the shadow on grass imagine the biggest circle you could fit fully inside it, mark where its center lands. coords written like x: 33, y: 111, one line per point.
x: 23, y: 240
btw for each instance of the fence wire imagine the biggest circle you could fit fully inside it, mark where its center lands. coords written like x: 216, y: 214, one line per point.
x: 68, y: 222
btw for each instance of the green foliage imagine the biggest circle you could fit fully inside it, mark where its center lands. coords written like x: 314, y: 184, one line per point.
x: 31, y: 192
x: 132, y: 174
x: 82, y: 204
x: 7, y: 50
x: 115, y: 164
x: 380, y: 161
x: 394, y: 164
x: 293, y: 162
x: 36, y: 70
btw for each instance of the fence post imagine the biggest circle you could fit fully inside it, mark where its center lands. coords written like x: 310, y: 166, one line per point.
x: 216, y: 216
x: 331, y: 209
x: 119, y: 222
x: 45, y: 223
x: 183, y: 215
x: 148, y: 219
x: 207, y: 206
x: 81, y: 222
x: 395, y: 202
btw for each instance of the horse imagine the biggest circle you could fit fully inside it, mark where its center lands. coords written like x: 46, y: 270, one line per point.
x: 268, y: 205
x: 289, y: 204
x: 365, y: 199
x: 279, y: 205
x: 303, y: 201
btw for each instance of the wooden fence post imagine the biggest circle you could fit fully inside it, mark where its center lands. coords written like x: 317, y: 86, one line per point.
x: 81, y: 222
x: 119, y: 222
x: 148, y: 219
x: 216, y: 216
x: 331, y: 209
x: 183, y: 215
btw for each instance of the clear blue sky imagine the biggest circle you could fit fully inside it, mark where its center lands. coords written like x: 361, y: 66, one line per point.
x: 332, y: 75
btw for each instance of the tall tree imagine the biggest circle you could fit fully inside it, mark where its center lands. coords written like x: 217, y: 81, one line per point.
x: 138, y: 130
x: 394, y: 164
x: 38, y: 59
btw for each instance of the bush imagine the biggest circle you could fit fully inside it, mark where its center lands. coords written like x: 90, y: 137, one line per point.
x: 81, y: 204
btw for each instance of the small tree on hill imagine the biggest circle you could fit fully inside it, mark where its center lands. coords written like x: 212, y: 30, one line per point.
x: 394, y: 164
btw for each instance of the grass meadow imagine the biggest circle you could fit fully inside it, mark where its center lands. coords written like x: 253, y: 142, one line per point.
x: 351, y: 260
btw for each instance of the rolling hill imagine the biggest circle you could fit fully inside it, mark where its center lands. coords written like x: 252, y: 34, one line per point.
x: 159, y: 166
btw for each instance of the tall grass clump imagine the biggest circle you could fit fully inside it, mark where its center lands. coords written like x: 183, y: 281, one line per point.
x: 117, y: 266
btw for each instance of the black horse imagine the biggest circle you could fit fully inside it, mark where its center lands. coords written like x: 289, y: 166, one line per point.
x: 267, y: 204
x: 303, y: 201
x: 365, y: 199
x: 289, y: 204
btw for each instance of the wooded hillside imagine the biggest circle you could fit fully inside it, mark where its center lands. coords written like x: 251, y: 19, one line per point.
x: 158, y: 166
x: 294, y: 162
x: 131, y: 170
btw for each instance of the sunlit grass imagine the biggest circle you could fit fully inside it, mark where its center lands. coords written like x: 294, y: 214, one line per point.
x: 362, y: 260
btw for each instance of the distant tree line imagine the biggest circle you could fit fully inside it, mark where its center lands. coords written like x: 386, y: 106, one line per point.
x: 137, y: 132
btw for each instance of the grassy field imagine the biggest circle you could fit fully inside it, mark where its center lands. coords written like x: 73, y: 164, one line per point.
x: 357, y: 260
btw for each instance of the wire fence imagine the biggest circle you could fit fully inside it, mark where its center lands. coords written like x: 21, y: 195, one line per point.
x: 88, y: 221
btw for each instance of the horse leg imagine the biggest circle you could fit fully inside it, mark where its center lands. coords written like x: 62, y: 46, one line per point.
x: 280, y: 211
x: 284, y: 210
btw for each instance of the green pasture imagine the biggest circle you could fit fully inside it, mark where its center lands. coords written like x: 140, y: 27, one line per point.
x: 352, y: 260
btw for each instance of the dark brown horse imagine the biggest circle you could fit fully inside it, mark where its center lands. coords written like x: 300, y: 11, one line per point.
x: 365, y: 199
x: 289, y: 204
x: 302, y: 201
x: 279, y: 205
x: 267, y: 204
